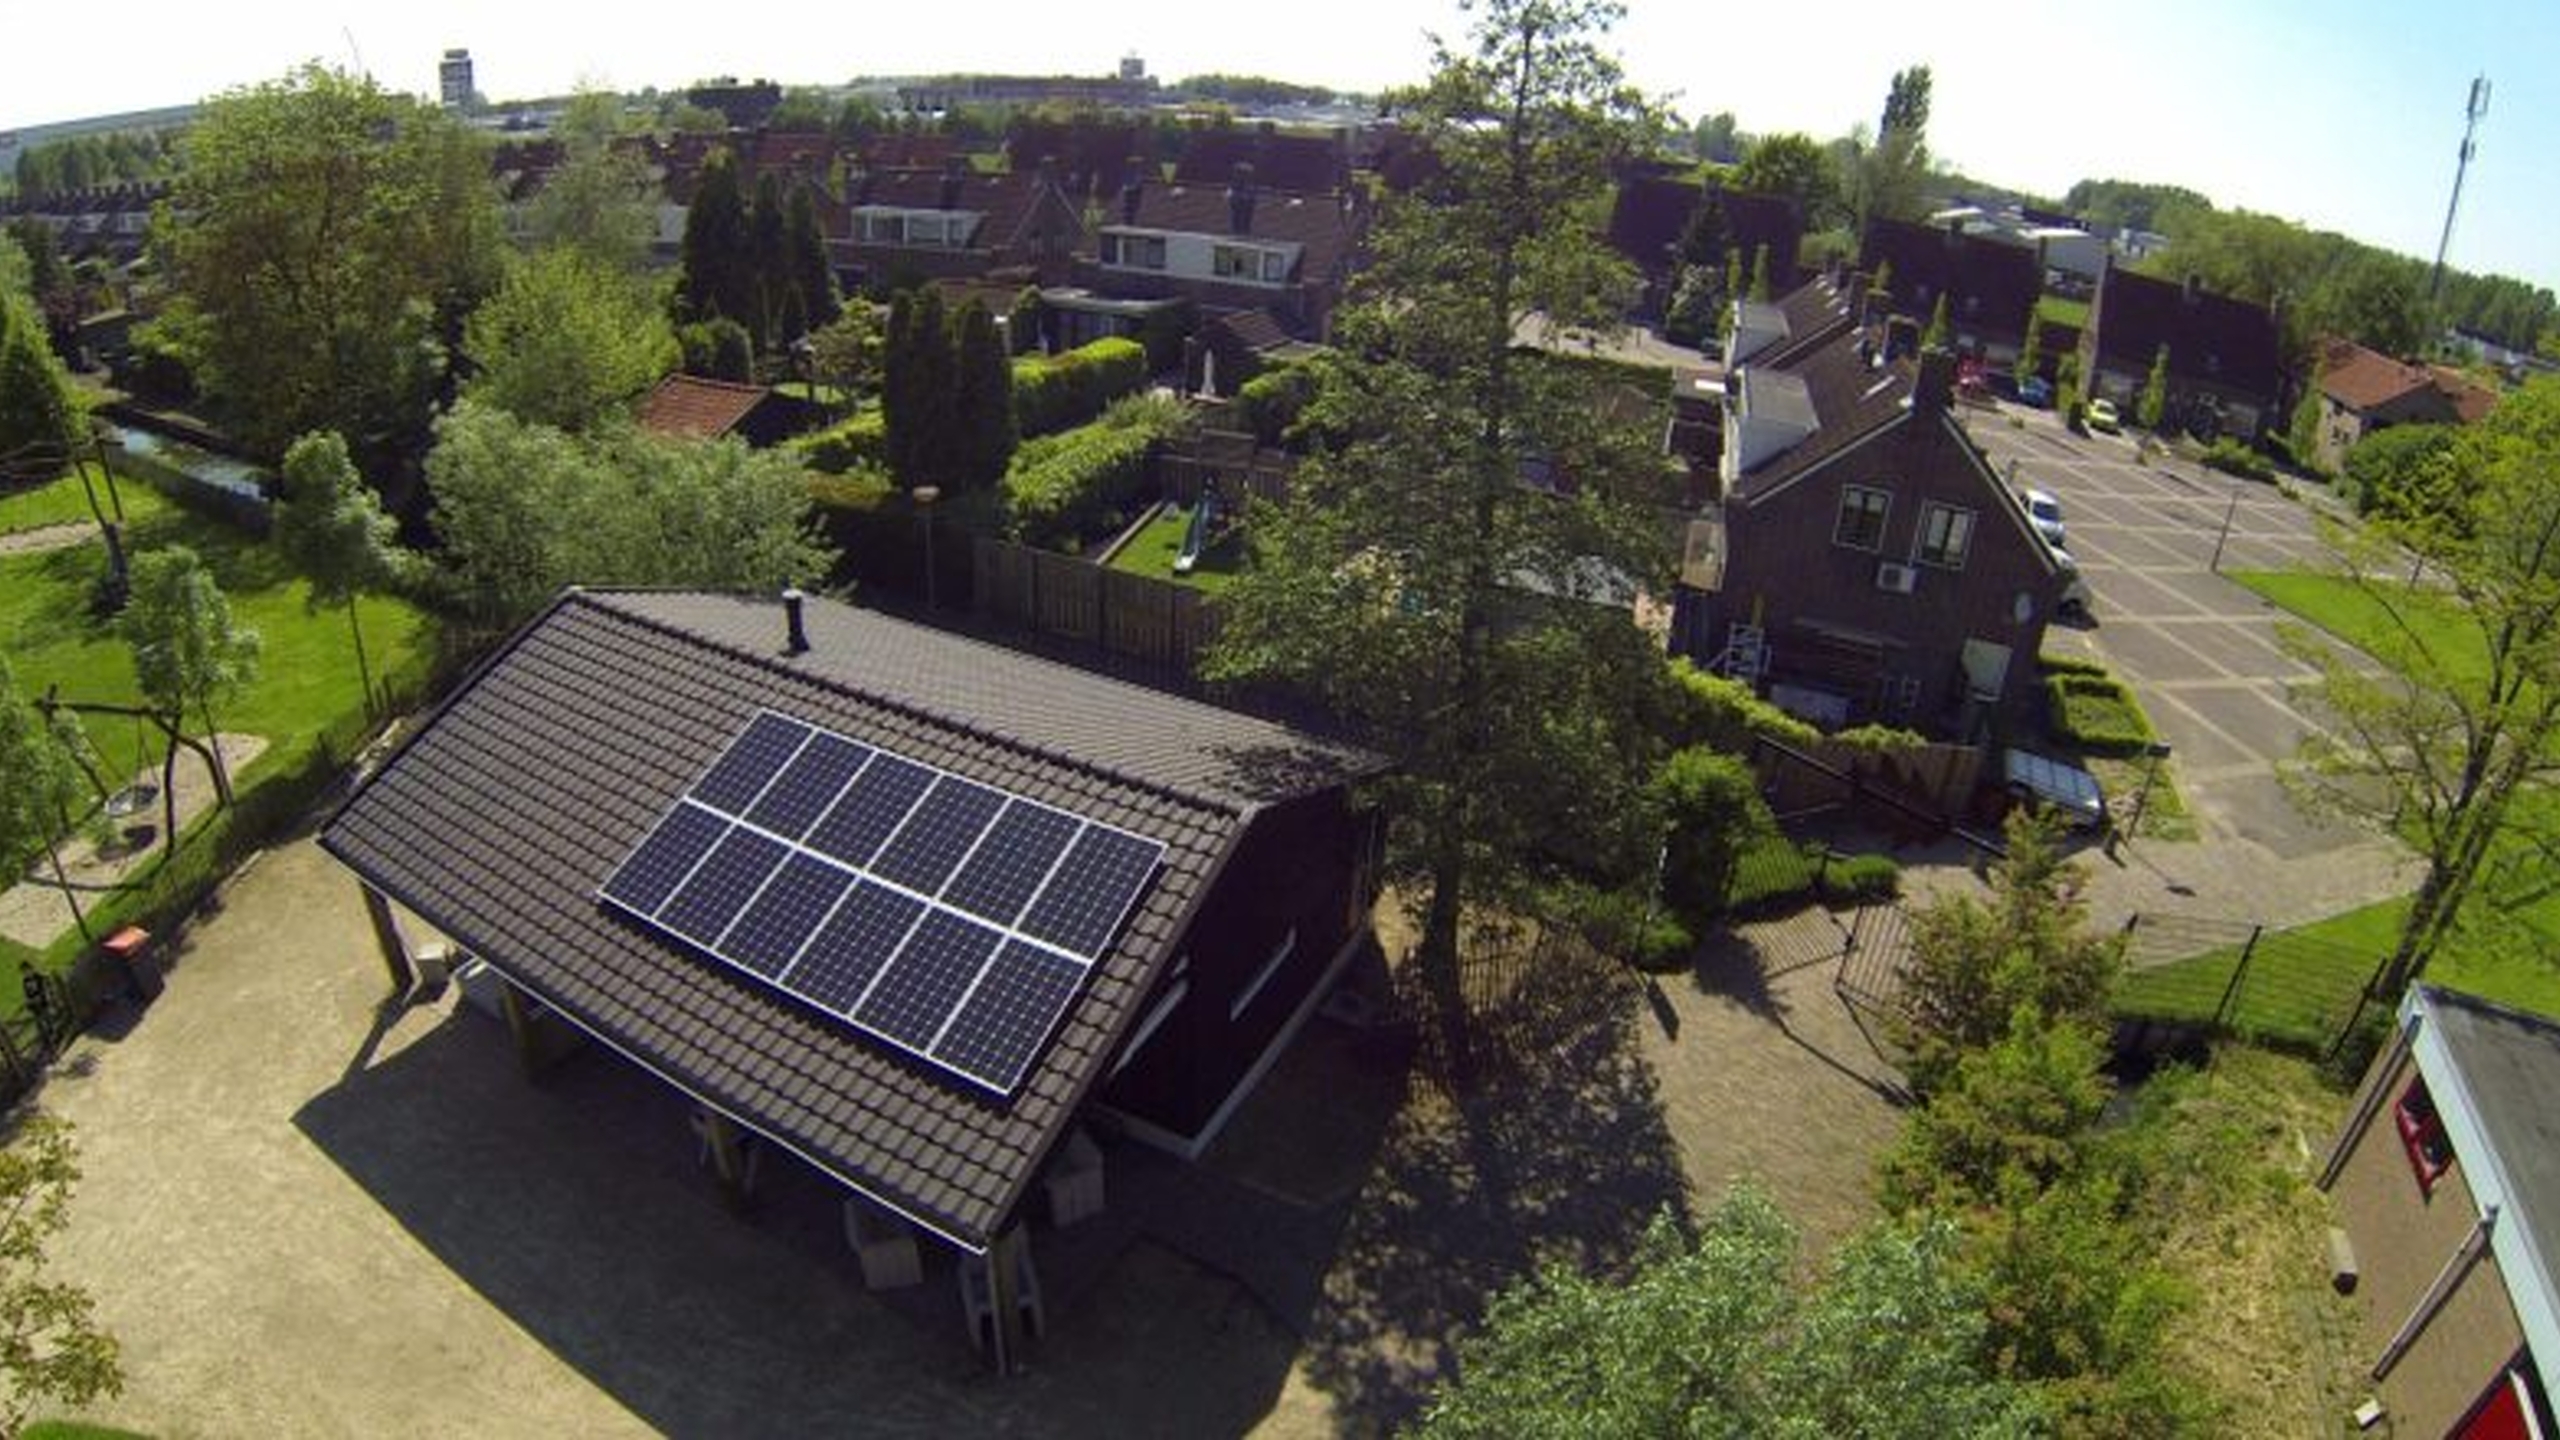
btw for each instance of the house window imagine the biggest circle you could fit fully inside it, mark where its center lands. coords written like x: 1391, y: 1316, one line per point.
x: 2422, y: 1135
x: 1134, y: 252
x: 1235, y: 262
x: 1946, y: 533
x: 1275, y: 267
x: 1862, y: 512
x: 1279, y: 956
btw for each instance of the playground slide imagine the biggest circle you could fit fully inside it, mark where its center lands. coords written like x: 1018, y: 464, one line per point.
x: 1196, y: 536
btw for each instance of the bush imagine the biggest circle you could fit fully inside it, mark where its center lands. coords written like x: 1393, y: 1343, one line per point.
x: 1065, y: 488
x: 1273, y: 400
x: 1858, y: 879
x: 864, y: 488
x: 2097, y: 713
x: 1051, y: 394
x: 1771, y: 871
x: 718, y: 349
x: 1624, y: 924
x: 2069, y: 665
x: 1711, y: 811
x: 861, y: 442
x: 2235, y: 457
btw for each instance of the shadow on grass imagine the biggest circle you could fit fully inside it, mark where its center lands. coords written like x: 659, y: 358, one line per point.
x: 1557, y: 1152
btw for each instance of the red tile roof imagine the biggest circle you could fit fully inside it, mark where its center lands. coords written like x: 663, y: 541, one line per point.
x: 2362, y: 379
x: 699, y: 409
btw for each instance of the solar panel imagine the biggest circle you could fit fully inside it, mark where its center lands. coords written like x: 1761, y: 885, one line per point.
x: 941, y: 915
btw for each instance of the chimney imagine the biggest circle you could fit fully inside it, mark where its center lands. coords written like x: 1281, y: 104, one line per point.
x: 1931, y: 391
x: 2192, y: 281
x: 1130, y: 189
x: 1240, y: 201
x: 795, y: 629
x: 1857, y: 298
x: 952, y: 170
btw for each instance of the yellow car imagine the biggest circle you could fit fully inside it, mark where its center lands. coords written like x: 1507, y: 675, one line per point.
x: 2103, y: 417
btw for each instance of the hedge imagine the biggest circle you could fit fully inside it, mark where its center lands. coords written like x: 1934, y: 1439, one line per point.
x: 1052, y: 393
x: 2234, y: 457
x: 2097, y: 713
x: 1065, y: 487
x: 1273, y: 400
x: 861, y: 442
x: 1727, y: 714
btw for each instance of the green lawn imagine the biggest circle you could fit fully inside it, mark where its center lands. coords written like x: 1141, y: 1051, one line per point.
x: 2352, y: 614
x: 2074, y: 313
x: 61, y: 502
x: 307, y: 678
x: 2302, y: 981
x: 1152, y: 551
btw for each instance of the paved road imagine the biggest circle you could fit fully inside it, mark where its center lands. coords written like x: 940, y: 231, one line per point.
x: 2202, y: 653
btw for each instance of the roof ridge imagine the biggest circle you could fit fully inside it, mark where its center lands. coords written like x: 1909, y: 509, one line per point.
x: 905, y: 707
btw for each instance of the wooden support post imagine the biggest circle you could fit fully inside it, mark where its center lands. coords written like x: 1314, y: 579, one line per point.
x: 1004, y: 1293
x: 393, y: 944
x: 724, y: 1150
x: 524, y: 1027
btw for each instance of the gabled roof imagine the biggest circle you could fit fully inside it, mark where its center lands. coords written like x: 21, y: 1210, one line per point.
x: 1281, y: 160
x: 2362, y: 379
x: 1088, y: 152
x: 1322, y: 225
x: 500, y: 820
x: 1008, y: 200
x: 697, y: 408
x: 1991, y: 285
x: 1652, y: 210
x: 2494, y: 1075
x: 1852, y: 397
x: 2212, y: 338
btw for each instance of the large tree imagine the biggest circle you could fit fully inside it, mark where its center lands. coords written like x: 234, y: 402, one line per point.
x: 718, y: 257
x: 982, y: 430
x: 335, y: 533
x: 917, y: 394
x: 325, y: 240
x: 812, y: 275
x: 188, y: 651
x: 1717, y: 1336
x: 526, y: 509
x: 1890, y: 170
x: 1455, y: 571
x: 1796, y: 166
x: 36, y: 408
x: 569, y: 340
x: 599, y: 200
x: 2461, y: 722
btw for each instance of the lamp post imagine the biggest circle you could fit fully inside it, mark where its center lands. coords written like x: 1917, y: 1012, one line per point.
x: 2157, y: 751
x: 924, y: 496
x: 2229, y: 511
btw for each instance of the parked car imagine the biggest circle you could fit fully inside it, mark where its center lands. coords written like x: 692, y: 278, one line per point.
x: 2103, y: 417
x: 2075, y: 590
x: 2037, y: 391
x: 2046, y: 783
x: 2046, y: 513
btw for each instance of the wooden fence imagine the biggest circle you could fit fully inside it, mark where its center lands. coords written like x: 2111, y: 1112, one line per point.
x: 1135, y: 616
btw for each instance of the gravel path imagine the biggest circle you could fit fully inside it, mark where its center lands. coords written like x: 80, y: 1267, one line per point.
x: 35, y: 912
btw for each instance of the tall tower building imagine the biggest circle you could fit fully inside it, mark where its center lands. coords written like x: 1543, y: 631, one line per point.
x: 455, y: 72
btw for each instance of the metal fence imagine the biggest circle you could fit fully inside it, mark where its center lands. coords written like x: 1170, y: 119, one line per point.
x: 2245, y: 979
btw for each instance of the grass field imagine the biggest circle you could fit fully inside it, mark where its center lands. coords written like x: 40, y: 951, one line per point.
x: 2302, y: 981
x: 2347, y: 611
x: 1152, y: 551
x: 306, y: 682
x: 61, y: 502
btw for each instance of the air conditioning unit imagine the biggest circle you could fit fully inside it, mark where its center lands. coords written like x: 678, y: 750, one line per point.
x: 1896, y: 577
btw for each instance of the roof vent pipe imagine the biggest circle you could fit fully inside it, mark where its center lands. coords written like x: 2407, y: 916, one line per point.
x: 795, y: 628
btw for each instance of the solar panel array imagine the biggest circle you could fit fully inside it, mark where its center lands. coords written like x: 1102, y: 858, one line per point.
x: 951, y: 919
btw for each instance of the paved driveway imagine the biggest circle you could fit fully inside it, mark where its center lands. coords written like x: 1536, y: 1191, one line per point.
x: 2200, y: 650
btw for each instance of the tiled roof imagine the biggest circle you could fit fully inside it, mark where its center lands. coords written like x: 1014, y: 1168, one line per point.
x: 1006, y: 199
x: 1089, y: 154
x: 1256, y: 330
x: 1852, y: 396
x: 498, y: 822
x: 2362, y: 379
x: 1652, y: 210
x: 2211, y: 338
x: 1320, y: 224
x: 2469, y: 398
x: 696, y: 408
x: 1991, y: 285
x: 1312, y: 164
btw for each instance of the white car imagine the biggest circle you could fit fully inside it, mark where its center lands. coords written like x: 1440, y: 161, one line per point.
x: 2075, y: 589
x: 2046, y: 512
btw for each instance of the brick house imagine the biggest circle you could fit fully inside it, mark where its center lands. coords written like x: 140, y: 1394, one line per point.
x: 954, y: 223
x: 1650, y: 215
x: 905, y: 905
x: 2446, y: 1179
x: 2362, y: 391
x: 1236, y: 246
x: 2226, y: 368
x: 1863, y: 562
x: 1990, y: 284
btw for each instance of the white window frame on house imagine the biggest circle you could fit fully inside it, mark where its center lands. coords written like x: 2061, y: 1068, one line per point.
x: 1275, y: 268
x: 1279, y: 956
x: 1118, y: 244
x: 1945, y: 536
x: 1857, y: 494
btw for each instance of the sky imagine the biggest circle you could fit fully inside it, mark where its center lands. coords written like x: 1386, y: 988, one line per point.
x: 2343, y: 114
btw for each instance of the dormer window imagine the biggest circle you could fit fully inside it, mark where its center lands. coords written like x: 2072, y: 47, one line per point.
x: 1133, y: 252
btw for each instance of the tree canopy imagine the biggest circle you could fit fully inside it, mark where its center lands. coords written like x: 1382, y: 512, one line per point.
x: 569, y: 340
x: 1794, y: 165
x: 36, y: 404
x: 329, y: 525
x: 600, y: 200
x: 188, y: 651
x: 52, y: 1351
x: 325, y: 241
x: 1454, y: 567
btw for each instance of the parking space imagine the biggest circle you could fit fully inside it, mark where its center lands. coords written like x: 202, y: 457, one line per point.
x: 2152, y: 539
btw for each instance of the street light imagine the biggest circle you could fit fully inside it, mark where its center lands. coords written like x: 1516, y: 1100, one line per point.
x: 924, y: 496
x: 2215, y: 564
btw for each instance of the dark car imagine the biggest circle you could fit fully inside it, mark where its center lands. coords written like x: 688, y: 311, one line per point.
x: 2037, y: 391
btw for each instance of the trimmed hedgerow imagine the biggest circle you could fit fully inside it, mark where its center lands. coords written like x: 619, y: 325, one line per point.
x: 1052, y: 393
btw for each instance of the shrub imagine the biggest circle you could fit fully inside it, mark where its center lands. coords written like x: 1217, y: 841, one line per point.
x: 1063, y: 488
x: 1624, y: 924
x: 856, y: 443
x: 1724, y: 713
x: 1711, y: 811
x: 2235, y: 457
x: 863, y: 487
x: 2069, y: 665
x: 1771, y: 871
x: 1051, y: 394
x: 1857, y: 879
x: 718, y: 349
x: 1273, y: 400
x: 2097, y: 713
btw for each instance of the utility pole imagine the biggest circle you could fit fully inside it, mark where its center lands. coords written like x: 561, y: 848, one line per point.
x: 2472, y: 112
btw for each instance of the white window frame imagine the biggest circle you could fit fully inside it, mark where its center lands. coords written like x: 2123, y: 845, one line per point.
x: 1884, y: 517
x: 1279, y: 956
x: 1960, y: 523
